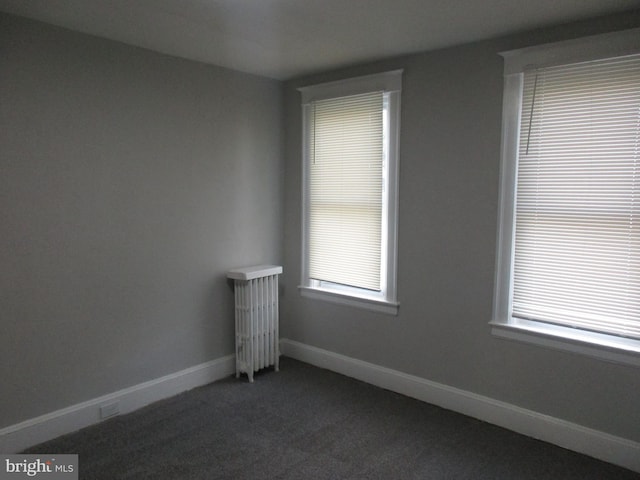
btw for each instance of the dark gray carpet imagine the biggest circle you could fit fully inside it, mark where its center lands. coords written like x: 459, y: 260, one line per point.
x: 307, y: 423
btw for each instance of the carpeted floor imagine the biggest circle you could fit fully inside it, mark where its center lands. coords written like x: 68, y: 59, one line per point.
x: 306, y: 423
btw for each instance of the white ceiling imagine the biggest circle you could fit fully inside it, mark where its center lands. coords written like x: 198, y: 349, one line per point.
x: 286, y: 38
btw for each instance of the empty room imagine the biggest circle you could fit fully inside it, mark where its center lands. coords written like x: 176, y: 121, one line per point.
x: 320, y: 239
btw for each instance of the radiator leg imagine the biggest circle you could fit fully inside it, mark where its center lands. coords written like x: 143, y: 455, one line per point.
x: 276, y: 325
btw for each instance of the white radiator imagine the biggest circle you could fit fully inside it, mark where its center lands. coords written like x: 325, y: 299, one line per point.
x: 256, y: 303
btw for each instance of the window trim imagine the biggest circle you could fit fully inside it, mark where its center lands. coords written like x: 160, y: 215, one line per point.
x: 386, y: 301
x: 599, y: 345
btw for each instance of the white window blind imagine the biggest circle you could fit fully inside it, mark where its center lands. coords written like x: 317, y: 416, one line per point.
x: 346, y: 190
x: 577, y: 233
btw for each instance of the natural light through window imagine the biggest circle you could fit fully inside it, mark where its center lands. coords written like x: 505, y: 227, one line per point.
x: 350, y: 131
x: 569, y: 243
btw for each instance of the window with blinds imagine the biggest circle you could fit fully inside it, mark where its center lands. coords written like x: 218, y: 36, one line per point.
x: 346, y: 152
x: 350, y: 191
x: 576, y: 260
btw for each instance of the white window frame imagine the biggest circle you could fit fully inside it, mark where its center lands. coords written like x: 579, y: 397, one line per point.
x: 384, y: 301
x: 606, y: 347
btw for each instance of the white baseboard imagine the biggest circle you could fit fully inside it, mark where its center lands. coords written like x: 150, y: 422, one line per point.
x: 16, y: 438
x: 597, y: 444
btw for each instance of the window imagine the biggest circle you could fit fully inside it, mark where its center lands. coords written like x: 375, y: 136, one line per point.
x: 568, y: 265
x: 350, y: 175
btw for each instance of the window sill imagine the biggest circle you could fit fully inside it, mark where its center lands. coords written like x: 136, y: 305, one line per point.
x: 604, y: 347
x: 374, y: 304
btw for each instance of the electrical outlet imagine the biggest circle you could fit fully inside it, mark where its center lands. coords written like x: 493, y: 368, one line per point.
x: 109, y: 410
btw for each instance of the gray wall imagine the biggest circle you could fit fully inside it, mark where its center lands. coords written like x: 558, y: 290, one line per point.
x: 129, y: 183
x: 449, y: 172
